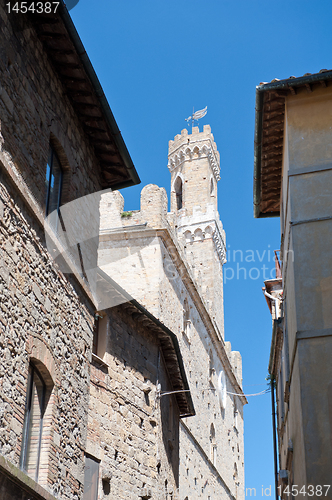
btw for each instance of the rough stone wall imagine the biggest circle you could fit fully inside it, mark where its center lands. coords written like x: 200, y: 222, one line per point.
x: 35, y: 110
x: 203, y: 479
x: 203, y: 366
x: 45, y: 317
x: 133, y: 432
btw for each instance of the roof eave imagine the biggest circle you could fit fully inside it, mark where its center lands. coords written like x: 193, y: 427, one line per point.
x: 289, y: 84
x: 191, y: 410
x: 258, y: 151
x: 257, y: 188
x: 118, y: 139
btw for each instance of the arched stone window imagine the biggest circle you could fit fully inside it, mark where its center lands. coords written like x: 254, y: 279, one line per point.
x: 198, y: 234
x: 178, y: 192
x: 188, y: 237
x: 196, y: 152
x: 208, y: 231
x: 37, y: 423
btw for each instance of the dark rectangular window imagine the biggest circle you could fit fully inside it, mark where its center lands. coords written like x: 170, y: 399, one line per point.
x: 91, y: 478
x: 95, y: 335
x: 53, y: 183
x: 33, y: 423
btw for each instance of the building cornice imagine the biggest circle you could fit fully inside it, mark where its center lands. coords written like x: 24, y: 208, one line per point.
x: 216, y: 235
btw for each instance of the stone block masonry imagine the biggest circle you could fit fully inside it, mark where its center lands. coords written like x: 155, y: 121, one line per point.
x: 45, y: 318
x: 132, y: 430
x: 35, y: 111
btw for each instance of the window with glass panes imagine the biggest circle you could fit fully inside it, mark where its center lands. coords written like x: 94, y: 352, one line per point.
x: 53, y: 183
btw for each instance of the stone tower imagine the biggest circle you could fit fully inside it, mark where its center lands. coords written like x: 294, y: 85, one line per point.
x: 194, y: 163
x: 171, y: 264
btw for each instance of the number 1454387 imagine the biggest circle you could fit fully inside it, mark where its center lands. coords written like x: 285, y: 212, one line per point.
x: 293, y: 491
x: 34, y: 7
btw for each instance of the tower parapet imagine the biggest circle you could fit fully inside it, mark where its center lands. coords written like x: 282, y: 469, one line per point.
x: 186, y: 147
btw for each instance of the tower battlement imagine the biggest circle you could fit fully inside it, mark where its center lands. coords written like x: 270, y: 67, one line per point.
x: 187, y: 147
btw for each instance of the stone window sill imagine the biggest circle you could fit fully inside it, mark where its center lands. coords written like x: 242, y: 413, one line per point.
x: 15, y: 475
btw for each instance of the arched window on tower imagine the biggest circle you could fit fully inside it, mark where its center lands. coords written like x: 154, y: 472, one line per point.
x: 178, y: 193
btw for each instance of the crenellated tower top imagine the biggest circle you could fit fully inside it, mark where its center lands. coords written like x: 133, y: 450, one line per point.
x: 198, y: 144
x: 194, y: 164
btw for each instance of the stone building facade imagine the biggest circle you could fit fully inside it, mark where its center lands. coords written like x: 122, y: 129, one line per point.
x: 59, y: 144
x: 171, y: 262
x: 293, y: 180
x: 138, y: 393
x: 98, y: 367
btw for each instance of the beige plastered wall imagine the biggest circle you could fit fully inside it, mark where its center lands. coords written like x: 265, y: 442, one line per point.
x: 307, y: 273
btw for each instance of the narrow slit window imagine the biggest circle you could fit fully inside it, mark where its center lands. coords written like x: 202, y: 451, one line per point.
x: 99, y: 343
x: 53, y: 183
x: 178, y: 192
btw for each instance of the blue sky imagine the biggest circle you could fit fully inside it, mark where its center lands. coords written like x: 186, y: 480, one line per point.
x: 156, y: 60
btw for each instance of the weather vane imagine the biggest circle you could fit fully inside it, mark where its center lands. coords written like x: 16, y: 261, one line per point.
x: 197, y: 115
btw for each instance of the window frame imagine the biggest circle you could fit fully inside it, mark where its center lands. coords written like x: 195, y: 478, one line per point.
x: 50, y: 162
x: 87, y: 479
x: 27, y: 420
x: 178, y: 188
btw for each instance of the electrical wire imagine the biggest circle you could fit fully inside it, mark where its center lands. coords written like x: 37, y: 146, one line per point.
x: 248, y: 395
x: 214, y: 389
